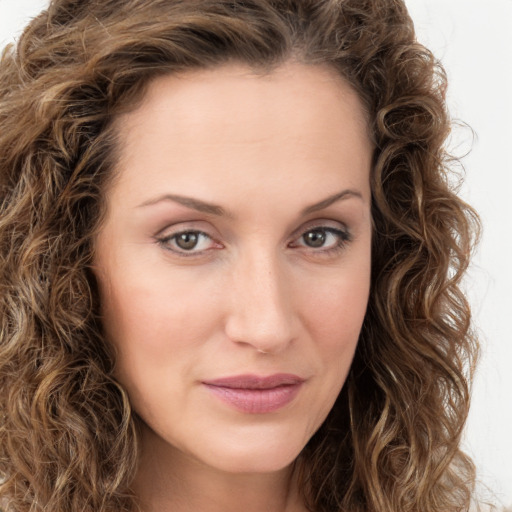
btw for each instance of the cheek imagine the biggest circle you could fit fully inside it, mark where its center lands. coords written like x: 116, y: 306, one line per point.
x: 334, y: 312
x: 333, y: 315
x: 156, y: 303
x: 159, y: 330
x: 156, y: 323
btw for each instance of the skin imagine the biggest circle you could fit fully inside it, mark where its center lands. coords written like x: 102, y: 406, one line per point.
x: 273, y: 285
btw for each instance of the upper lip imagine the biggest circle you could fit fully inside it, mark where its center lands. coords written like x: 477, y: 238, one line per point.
x: 256, y: 381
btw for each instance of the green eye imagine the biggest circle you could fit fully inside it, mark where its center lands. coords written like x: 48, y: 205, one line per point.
x: 324, y: 239
x: 315, y: 238
x: 187, y: 242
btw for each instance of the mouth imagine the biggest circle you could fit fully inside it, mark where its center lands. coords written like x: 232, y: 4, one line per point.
x: 254, y: 394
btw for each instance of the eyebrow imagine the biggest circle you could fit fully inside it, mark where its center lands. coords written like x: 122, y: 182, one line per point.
x: 188, y: 202
x: 213, y: 209
x: 344, y: 194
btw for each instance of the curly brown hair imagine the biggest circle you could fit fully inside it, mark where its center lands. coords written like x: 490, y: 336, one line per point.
x: 68, y: 440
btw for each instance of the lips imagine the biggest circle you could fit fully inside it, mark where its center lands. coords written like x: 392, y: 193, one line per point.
x: 256, y: 394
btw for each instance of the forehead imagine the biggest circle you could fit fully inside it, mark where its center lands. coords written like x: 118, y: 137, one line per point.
x: 230, y: 123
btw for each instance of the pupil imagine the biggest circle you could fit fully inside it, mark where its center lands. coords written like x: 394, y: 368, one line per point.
x: 187, y: 241
x: 315, y: 238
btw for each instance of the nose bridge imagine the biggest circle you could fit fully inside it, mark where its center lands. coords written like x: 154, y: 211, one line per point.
x: 261, y: 312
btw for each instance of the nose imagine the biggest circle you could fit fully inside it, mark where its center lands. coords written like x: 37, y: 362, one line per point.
x: 261, y: 312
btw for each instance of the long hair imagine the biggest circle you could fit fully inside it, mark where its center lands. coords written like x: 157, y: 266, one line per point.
x: 68, y: 439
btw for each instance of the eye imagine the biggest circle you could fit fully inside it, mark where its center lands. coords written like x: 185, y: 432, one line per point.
x: 190, y: 241
x: 316, y: 238
x: 323, y: 238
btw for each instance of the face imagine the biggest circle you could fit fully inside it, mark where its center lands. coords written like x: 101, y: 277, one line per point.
x: 234, y: 262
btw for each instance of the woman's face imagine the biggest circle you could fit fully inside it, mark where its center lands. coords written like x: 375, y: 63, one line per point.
x: 234, y: 262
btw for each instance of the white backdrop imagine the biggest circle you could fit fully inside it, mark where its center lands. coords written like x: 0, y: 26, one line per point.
x: 473, y: 38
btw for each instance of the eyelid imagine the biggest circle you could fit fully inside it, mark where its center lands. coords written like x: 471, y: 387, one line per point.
x: 164, y: 237
x: 340, y: 230
x: 326, y: 224
x: 335, y: 228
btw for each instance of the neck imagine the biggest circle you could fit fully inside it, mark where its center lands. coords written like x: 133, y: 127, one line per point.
x: 169, y: 480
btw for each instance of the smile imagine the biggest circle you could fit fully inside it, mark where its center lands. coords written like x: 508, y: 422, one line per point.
x: 256, y: 395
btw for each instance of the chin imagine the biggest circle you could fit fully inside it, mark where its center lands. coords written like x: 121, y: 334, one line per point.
x: 250, y: 452
x: 250, y: 461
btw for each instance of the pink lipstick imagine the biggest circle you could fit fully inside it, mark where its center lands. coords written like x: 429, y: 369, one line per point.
x: 254, y: 394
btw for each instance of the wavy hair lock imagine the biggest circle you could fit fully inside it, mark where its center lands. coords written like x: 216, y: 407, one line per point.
x: 68, y: 440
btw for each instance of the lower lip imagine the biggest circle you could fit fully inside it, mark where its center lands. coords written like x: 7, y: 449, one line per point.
x: 256, y: 401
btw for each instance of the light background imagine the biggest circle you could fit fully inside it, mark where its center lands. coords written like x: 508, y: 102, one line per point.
x: 473, y: 39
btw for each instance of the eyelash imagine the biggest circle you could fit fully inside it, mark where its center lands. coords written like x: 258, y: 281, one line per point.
x: 343, y: 238
x: 166, y: 240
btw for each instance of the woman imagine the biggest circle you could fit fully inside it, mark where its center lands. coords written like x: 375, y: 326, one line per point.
x: 230, y: 262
